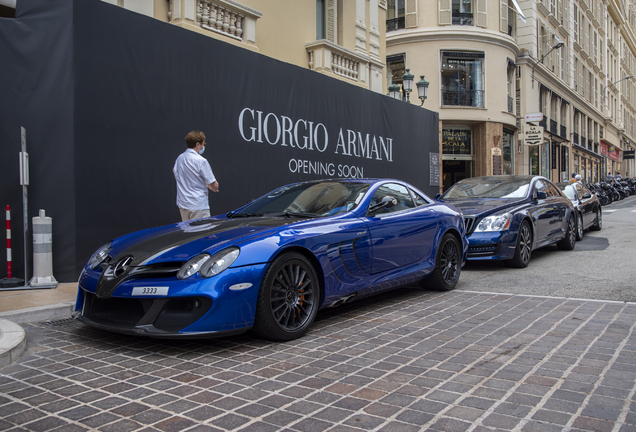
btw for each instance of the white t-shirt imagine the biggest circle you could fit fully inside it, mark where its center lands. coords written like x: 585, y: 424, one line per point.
x: 192, y: 173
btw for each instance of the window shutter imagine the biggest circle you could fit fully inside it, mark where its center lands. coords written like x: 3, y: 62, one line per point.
x: 444, y: 12
x: 482, y: 13
x: 331, y: 18
x: 503, y: 22
x: 410, y: 20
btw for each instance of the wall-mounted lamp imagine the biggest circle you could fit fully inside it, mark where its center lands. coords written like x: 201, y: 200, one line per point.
x: 604, y: 88
x: 559, y: 43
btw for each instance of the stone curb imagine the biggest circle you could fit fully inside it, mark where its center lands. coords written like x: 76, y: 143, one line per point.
x: 13, y: 337
x: 12, y: 342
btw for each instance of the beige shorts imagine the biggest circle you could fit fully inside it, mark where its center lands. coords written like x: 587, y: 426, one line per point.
x: 187, y: 215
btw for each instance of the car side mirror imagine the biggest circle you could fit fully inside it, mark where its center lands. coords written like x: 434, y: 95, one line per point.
x: 438, y: 196
x: 587, y: 195
x: 385, y: 203
x: 541, y: 195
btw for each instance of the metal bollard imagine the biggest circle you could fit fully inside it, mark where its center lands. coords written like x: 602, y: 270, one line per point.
x: 42, y: 252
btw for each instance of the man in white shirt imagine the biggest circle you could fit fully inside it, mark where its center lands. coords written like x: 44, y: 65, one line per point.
x: 194, y: 179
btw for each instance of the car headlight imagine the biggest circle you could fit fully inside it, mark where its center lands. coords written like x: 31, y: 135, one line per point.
x: 495, y: 223
x: 192, y: 266
x: 219, y: 262
x: 99, y: 256
x: 209, y: 265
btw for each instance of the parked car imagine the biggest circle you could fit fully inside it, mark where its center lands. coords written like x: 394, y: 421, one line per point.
x: 509, y: 216
x: 588, y: 207
x: 272, y: 264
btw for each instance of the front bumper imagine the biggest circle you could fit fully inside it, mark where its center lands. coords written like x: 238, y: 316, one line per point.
x: 496, y: 245
x: 193, y: 308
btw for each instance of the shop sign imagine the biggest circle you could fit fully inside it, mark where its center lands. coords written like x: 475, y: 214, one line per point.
x: 534, y: 117
x: 628, y: 154
x: 533, y: 135
x: 604, y: 151
x: 613, y: 154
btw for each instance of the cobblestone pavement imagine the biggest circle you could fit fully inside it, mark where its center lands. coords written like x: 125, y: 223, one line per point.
x: 410, y: 360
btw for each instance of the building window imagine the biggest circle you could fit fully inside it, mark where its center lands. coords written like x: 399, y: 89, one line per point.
x: 396, y: 69
x: 462, y: 12
x: 508, y: 151
x: 462, y: 79
x: 320, y: 19
x: 534, y: 160
x: 545, y: 159
x: 456, y: 141
x: 395, y: 15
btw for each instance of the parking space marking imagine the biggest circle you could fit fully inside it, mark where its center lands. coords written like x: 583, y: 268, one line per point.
x: 610, y: 211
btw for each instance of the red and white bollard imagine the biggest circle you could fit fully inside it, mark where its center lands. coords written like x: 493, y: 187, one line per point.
x: 9, y: 275
x: 9, y: 281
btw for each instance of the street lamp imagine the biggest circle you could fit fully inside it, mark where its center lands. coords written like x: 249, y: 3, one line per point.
x: 407, y: 87
x: 394, y: 91
x: 422, y: 89
x: 557, y: 45
x: 407, y: 84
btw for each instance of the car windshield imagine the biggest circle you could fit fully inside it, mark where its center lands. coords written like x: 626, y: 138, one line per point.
x: 488, y: 187
x: 568, y: 190
x: 307, y: 200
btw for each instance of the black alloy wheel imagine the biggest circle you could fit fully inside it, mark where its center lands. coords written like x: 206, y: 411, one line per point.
x: 570, y: 236
x: 448, y: 265
x: 598, y: 223
x: 523, y: 251
x: 288, y: 299
x: 579, y: 227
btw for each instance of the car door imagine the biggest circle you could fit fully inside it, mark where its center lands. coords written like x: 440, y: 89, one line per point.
x: 402, y: 234
x: 546, y: 213
x: 586, y: 204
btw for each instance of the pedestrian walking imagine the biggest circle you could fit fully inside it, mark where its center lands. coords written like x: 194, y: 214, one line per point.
x: 194, y: 179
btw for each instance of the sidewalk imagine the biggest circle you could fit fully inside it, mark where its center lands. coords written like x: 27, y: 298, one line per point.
x: 26, y: 306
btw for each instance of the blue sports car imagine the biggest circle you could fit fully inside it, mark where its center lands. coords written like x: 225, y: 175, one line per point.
x: 509, y: 216
x: 272, y: 264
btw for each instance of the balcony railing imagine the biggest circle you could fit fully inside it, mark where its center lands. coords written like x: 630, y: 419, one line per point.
x: 468, y: 98
x: 511, y: 103
x: 543, y: 122
x: 462, y: 19
x: 590, y: 144
x: 395, y: 24
x: 575, y: 138
x: 553, y: 126
x: 226, y: 17
x: 564, y: 132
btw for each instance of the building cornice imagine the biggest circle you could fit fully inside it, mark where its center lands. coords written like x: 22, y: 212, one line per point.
x: 452, y: 33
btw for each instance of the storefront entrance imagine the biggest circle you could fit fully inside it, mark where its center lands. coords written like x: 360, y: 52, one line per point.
x: 455, y: 170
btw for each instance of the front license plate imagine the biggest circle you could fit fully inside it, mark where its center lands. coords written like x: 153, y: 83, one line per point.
x: 153, y: 291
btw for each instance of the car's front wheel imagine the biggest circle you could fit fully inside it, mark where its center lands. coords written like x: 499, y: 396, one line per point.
x: 523, y: 250
x: 579, y: 227
x: 288, y: 299
x: 448, y: 265
x: 570, y: 236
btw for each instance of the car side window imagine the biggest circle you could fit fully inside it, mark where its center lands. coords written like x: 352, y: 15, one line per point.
x: 553, y: 191
x: 419, y: 199
x: 580, y: 189
x: 540, y: 186
x: 397, y: 191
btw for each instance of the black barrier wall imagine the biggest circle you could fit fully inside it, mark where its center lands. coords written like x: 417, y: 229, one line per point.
x: 119, y: 92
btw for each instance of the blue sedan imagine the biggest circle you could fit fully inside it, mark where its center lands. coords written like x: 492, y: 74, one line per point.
x: 509, y: 216
x: 272, y: 264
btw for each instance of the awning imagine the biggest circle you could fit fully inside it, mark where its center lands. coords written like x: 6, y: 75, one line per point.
x: 518, y: 9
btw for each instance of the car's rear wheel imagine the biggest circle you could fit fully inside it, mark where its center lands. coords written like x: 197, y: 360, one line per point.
x: 579, y: 227
x: 598, y: 223
x: 570, y: 236
x: 523, y: 250
x: 448, y: 265
x: 288, y: 299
